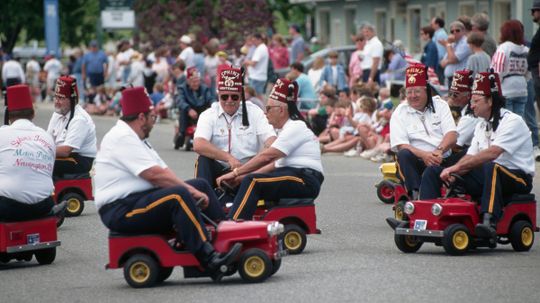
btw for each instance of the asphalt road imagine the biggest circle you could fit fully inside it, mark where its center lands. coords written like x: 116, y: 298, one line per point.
x: 354, y: 260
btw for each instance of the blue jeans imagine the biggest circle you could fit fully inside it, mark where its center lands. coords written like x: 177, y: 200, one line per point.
x: 517, y: 105
x: 530, y: 113
x: 258, y: 86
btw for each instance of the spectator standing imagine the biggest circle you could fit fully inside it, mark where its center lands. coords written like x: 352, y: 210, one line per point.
x: 479, y: 61
x: 457, y: 50
x: 440, y: 34
x: 480, y: 24
x: 94, y: 66
x: 136, y: 75
x: 12, y: 73
x: 76, y: 72
x: 279, y: 54
x: 306, y: 93
x: 258, y: 66
x: 32, y: 77
x: 187, y: 51
x: 298, y: 45
x: 315, y: 73
x: 123, y: 61
x: 533, y: 60
x: 430, y: 57
x: 160, y: 65
x: 373, y: 52
x: 355, y: 69
x: 510, y: 62
x: 198, y: 58
x: 211, y: 61
x: 334, y: 74
x: 396, y: 66
x: 52, y: 67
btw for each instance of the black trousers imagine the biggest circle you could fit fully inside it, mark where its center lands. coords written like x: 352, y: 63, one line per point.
x: 209, y: 169
x: 284, y: 182
x: 11, y: 210
x: 411, y: 168
x: 162, y: 211
x: 365, y: 76
x: 74, y: 164
x: 491, y: 182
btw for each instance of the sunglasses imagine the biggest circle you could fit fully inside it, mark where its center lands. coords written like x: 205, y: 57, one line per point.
x: 226, y: 97
x: 453, y: 95
x: 455, y: 31
x: 534, y: 10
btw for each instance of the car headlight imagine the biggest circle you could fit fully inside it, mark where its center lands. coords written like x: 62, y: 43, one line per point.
x: 275, y: 228
x: 436, y: 209
x: 408, y: 208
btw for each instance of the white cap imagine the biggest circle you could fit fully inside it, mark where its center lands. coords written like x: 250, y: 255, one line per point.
x: 185, y: 39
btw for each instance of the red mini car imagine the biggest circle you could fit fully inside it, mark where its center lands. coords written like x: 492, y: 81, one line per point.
x: 75, y: 189
x: 25, y: 239
x: 150, y: 259
x: 450, y: 222
x: 297, y: 215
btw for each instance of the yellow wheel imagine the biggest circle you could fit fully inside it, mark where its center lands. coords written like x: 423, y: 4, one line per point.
x: 456, y: 239
x: 255, y: 266
x: 460, y: 240
x: 75, y: 204
x: 294, y: 239
x: 141, y: 271
x: 407, y: 244
x: 521, y: 235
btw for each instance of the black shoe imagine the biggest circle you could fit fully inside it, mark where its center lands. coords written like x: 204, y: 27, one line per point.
x: 179, y: 141
x: 59, y: 208
x: 486, y: 231
x: 220, y: 261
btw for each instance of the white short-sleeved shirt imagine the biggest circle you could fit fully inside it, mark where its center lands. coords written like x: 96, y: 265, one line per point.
x: 259, y: 71
x: 513, y: 136
x: 27, y: 156
x: 372, y: 49
x: 80, y: 135
x: 187, y: 55
x: 423, y: 130
x: 300, y: 146
x: 465, y: 127
x: 242, y: 143
x: 120, y: 160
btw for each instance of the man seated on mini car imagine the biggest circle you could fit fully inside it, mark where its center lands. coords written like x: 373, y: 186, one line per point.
x: 422, y: 130
x: 290, y: 168
x: 500, y: 160
x: 26, y: 161
x: 228, y: 134
x: 73, y: 131
x: 137, y: 193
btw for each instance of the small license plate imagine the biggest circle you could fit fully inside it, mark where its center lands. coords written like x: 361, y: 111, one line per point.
x: 420, y: 224
x: 32, y: 239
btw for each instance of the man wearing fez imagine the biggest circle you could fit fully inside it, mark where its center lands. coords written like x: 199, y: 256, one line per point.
x: 500, y: 160
x: 228, y: 135
x: 422, y: 130
x: 72, y: 129
x: 290, y: 168
x: 459, y: 96
x: 137, y: 193
x: 27, y: 160
x: 193, y: 98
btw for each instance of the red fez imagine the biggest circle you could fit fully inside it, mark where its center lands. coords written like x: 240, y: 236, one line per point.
x: 66, y: 87
x: 134, y: 101
x: 193, y: 72
x: 416, y: 75
x: 280, y: 91
x: 229, y: 79
x: 461, y: 81
x: 482, y: 86
x: 19, y: 97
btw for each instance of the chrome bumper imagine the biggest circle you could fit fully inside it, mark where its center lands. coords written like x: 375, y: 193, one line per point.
x: 419, y: 233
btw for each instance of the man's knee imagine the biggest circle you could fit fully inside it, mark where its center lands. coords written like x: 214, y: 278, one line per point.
x: 432, y: 172
x: 405, y: 155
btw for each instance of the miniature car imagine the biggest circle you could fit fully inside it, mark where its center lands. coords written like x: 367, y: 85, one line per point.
x: 451, y: 222
x: 190, y: 131
x: 297, y: 215
x: 150, y: 259
x: 75, y: 189
x: 386, y: 188
x: 24, y: 239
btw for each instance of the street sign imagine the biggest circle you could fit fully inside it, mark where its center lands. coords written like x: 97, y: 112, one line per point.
x: 52, y: 27
x: 116, y: 19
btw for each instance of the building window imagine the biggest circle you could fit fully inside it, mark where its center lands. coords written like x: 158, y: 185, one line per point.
x: 324, y: 26
x: 414, y: 16
x: 466, y: 8
x: 380, y: 23
x: 350, y: 25
x: 502, y: 11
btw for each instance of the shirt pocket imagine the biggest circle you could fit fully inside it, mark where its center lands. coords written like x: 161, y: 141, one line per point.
x: 416, y: 131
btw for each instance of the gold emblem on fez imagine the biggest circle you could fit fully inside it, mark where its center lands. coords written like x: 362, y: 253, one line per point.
x: 412, y: 79
x: 229, y: 81
x: 279, y: 84
x: 59, y: 84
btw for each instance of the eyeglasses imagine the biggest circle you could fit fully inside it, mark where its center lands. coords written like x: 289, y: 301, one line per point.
x: 269, y: 107
x: 453, y: 95
x: 455, y: 31
x: 151, y: 116
x: 226, y: 97
x: 414, y: 91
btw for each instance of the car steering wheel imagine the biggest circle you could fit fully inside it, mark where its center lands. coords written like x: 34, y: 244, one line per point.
x: 455, y: 188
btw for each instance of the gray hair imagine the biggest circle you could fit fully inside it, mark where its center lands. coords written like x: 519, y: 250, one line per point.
x: 480, y: 21
x: 457, y: 24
